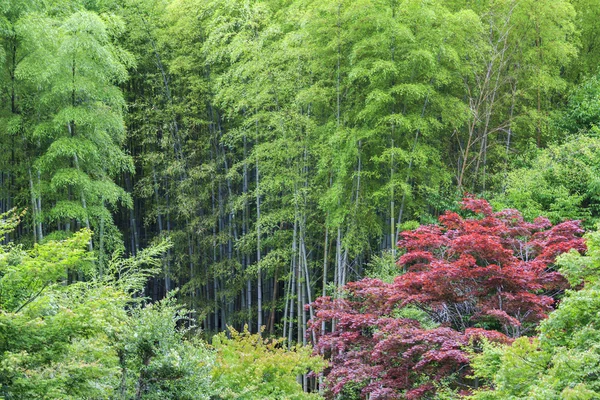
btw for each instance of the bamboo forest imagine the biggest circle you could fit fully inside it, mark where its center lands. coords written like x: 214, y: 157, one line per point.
x: 299, y: 199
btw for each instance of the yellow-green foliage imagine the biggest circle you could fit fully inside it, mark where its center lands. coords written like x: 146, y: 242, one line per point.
x: 250, y: 367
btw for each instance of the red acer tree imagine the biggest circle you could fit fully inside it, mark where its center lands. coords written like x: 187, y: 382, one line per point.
x: 486, y: 275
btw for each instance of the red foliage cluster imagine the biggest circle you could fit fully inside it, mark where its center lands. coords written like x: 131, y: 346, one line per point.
x: 487, y: 276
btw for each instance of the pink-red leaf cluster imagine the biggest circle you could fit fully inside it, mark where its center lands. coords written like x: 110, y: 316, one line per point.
x: 490, y: 275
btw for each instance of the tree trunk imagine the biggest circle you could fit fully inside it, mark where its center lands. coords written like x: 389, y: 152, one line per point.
x: 259, y: 282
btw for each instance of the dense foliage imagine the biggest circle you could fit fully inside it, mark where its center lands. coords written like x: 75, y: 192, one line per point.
x: 282, y: 147
x: 251, y: 367
x: 92, y: 338
x: 489, y: 276
x: 96, y: 338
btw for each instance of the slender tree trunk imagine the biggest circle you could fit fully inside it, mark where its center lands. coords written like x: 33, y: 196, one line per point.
x: 39, y: 208
x: 292, y: 290
x: 221, y: 228
x: 273, y: 304
x: 303, y: 329
x: 288, y: 300
x: 338, y: 67
x: 168, y: 264
x: 191, y: 266
x: 33, y: 207
x: 300, y: 302
x: 135, y: 241
x: 160, y: 228
x: 244, y: 232
x: 214, y: 246
x: 308, y: 290
x: 325, y: 263
x: 156, y: 198
x: 392, y: 205
x: 259, y: 282
x: 84, y: 205
x: 101, y: 255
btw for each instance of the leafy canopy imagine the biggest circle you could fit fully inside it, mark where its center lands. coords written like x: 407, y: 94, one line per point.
x: 489, y: 276
x: 250, y: 367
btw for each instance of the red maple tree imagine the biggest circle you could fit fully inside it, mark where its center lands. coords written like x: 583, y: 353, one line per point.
x: 490, y: 275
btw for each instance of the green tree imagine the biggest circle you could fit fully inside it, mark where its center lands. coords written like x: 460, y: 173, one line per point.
x: 56, y: 338
x: 581, y: 114
x: 586, y: 64
x: 82, y: 135
x: 93, y: 338
x: 158, y: 362
x: 559, y: 182
x: 250, y: 367
x: 66, y: 114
